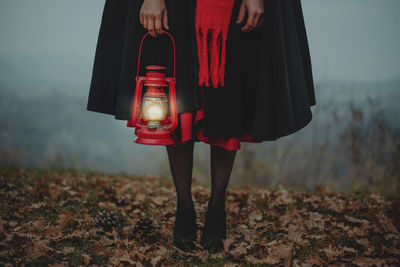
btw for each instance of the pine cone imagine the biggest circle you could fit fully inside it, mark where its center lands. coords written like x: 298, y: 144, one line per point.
x: 108, y: 219
x: 143, y: 225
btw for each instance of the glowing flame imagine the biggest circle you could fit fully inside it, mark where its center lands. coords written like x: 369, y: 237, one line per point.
x: 154, y: 112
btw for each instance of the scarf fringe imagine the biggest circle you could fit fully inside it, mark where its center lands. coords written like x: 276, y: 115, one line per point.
x: 211, y: 50
x: 211, y: 32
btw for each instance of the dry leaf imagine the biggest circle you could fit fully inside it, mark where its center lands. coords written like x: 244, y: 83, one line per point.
x: 86, y: 258
x: 54, y: 191
x: 238, y: 251
x: 333, y: 253
x: 40, y: 224
x: 68, y: 250
x: 312, y: 259
x: 53, y: 232
x: 64, y: 219
x: 227, y: 243
x: 156, y: 261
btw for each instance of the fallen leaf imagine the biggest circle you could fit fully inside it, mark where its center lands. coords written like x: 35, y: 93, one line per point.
x: 332, y: 253
x: 227, y: 243
x: 312, y: 259
x: 54, y: 191
x: 53, y: 232
x: 86, y: 258
x: 68, y: 250
x: 156, y: 261
x: 238, y: 251
x: 64, y: 219
x: 255, y: 215
x: 40, y: 224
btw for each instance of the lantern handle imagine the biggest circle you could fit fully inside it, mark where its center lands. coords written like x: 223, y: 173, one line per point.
x: 140, y: 51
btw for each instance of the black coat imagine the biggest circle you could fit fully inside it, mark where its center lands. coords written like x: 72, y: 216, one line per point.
x: 268, y: 88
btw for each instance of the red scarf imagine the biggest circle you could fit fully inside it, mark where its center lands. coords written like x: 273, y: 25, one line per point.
x: 212, y: 21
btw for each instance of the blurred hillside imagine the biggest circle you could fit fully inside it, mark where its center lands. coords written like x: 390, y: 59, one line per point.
x: 53, y: 129
x: 352, y: 142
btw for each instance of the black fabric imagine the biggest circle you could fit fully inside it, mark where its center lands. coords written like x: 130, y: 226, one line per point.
x: 268, y: 88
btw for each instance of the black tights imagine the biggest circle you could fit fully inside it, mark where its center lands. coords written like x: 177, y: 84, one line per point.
x: 181, y: 164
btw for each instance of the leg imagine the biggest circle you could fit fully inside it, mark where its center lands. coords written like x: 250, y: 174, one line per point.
x: 221, y: 167
x: 215, y: 223
x: 181, y: 163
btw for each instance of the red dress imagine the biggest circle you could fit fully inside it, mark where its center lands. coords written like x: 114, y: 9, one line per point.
x: 186, y: 118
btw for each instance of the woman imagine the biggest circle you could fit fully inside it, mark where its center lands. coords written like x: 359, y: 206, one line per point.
x: 251, y: 81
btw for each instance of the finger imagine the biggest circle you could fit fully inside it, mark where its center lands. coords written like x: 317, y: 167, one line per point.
x: 145, y: 24
x: 157, y: 25
x: 250, y: 23
x: 150, y: 22
x: 242, y: 12
x: 165, y: 19
x: 260, y: 22
x: 257, y: 18
x: 141, y: 18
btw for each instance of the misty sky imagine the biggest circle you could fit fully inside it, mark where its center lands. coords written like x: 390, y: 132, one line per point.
x: 55, y: 40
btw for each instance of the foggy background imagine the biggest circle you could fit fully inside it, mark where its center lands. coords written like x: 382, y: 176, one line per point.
x: 47, y: 50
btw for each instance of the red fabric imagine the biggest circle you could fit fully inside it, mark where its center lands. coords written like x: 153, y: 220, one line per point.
x: 232, y: 143
x: 211, y: 24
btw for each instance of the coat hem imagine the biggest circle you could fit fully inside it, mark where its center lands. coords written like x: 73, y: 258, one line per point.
x: 292, y: 130
x: 298, y: 127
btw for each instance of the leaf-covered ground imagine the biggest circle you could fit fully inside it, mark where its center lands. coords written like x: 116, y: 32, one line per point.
x: 47, y: 218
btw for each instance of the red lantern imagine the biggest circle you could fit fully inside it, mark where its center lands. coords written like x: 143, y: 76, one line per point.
x: 153, y: 125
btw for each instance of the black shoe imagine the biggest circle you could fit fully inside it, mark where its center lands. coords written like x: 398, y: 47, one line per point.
x: 214, y: 230
x: 185, y: 230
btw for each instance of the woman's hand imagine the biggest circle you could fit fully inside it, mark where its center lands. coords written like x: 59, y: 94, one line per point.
x: 255, y: 11
x: 153, y: 16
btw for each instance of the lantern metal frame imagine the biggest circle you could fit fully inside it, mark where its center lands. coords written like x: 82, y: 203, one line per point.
x: 162, y: 134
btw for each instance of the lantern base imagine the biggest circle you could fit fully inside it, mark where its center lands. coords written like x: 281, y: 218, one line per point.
x: 157, y: 137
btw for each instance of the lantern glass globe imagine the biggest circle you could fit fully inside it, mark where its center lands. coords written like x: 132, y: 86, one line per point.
x: 154, y: 110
